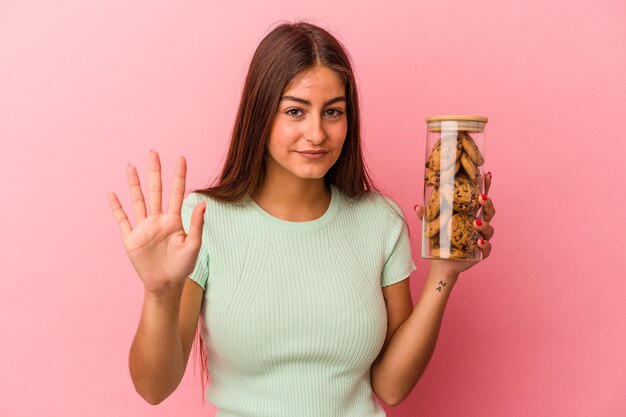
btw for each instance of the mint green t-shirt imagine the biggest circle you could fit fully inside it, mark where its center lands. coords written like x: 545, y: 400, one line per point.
x: 293, y: 314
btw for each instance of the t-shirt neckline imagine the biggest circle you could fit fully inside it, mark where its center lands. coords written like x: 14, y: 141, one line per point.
x: 315, y: 224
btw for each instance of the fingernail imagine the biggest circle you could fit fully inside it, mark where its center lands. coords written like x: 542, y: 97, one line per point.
x: 478, y: 222
x: 481, y: 242
x: 489, y: 173
x: 414, y: 207
x: 483, y: 197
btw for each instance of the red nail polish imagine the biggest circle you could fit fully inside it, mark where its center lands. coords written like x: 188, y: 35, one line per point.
x: 489, y: 173
x: 414, y: 207
x: 483, y: 197
x: 482, y: 242
x: 479, y: 222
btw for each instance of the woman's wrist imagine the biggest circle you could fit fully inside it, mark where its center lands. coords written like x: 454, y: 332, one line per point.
x: 438, y: 271
x: 165, y: 293
x: 439, y: 284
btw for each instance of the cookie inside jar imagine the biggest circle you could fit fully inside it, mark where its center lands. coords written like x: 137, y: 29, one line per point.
x: 452, y: 185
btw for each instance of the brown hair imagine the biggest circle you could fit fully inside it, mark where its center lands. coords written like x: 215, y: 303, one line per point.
x: 283, y: 54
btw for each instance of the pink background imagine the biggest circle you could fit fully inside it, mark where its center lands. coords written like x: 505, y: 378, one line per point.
x: 537, y: 329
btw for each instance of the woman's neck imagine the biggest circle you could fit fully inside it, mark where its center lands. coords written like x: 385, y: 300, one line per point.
x: 297, y: 201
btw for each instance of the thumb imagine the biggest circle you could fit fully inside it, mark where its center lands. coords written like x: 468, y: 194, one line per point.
x: 197, y: 222
x: 419, y: 211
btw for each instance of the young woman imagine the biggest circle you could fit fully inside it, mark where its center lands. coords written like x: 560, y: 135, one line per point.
x: 293, y: 269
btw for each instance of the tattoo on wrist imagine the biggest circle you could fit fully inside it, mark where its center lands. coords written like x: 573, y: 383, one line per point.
x: 441, y: 285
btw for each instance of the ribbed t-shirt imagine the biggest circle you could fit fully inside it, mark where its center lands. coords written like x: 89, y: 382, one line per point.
x: 293, y: 314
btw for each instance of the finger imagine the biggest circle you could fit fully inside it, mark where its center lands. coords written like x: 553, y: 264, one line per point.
x: 178, y: 187
x: 136, y: 195
x: 419, y: 210
x: 485, y: 228
x: 486, y: 187
x: 120, y: 215
x: 487, y: 182
x: 484, y: 246
x: 488, y: 210
x: 197, y: 222
x: 154, y: 183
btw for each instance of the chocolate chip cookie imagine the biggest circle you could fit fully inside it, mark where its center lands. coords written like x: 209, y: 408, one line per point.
x: 464, y: 236
x: 431, y: 228
x: 431, y: 177
x: 446, y: 151
x: 465, y: 195
x: 450, y: 252
x: 432, y: 208
x: 470, y: 148
x: 470, y: 168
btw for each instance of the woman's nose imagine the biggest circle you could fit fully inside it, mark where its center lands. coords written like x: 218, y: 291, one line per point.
x: 315, y: 132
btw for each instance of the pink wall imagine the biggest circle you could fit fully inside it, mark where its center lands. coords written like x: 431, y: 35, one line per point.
x: 538, y: 329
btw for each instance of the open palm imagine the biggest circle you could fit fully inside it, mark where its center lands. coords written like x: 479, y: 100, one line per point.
x: 158, y: 247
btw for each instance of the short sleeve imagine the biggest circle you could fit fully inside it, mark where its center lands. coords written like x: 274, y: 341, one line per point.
x: 200, y: 273
x: 399, y: 262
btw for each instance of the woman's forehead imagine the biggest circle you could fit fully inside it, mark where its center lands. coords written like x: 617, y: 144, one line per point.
x: 319, y: 79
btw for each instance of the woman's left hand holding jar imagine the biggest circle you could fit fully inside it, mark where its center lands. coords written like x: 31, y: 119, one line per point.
x: 483, y: 226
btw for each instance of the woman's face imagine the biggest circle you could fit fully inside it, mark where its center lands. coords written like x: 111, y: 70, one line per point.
x: 311, y: 117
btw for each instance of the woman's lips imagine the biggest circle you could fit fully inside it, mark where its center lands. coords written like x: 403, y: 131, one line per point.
x: 313, y: 155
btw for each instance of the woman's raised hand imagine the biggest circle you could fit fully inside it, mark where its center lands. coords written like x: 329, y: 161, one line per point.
x: 483, y: 226
x: 158, y: 247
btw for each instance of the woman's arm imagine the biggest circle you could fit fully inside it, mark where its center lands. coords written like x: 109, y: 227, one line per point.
x: 160, y: 350
x: 409, y: 348
x: 163, y: 256
x: 403, y: 361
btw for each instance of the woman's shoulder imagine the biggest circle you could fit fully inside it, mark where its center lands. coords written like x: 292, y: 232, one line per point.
x: 376, y: 203
x: 217, y: 212
x: 199, y: 196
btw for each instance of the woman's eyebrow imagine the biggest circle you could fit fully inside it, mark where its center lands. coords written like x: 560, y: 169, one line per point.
x: 308, y: 103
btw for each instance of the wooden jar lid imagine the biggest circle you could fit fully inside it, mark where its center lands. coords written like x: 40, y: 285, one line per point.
x: 470, y: 123
x: 453, y: 117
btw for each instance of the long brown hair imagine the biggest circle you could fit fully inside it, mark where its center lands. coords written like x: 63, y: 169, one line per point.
x: 283, y: 54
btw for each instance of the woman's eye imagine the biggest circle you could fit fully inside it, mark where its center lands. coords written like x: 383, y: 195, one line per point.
x: 296, y: 113
x: 336, y: 112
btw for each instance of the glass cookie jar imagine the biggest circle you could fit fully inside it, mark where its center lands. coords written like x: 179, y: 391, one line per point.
x: 453, y: 182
